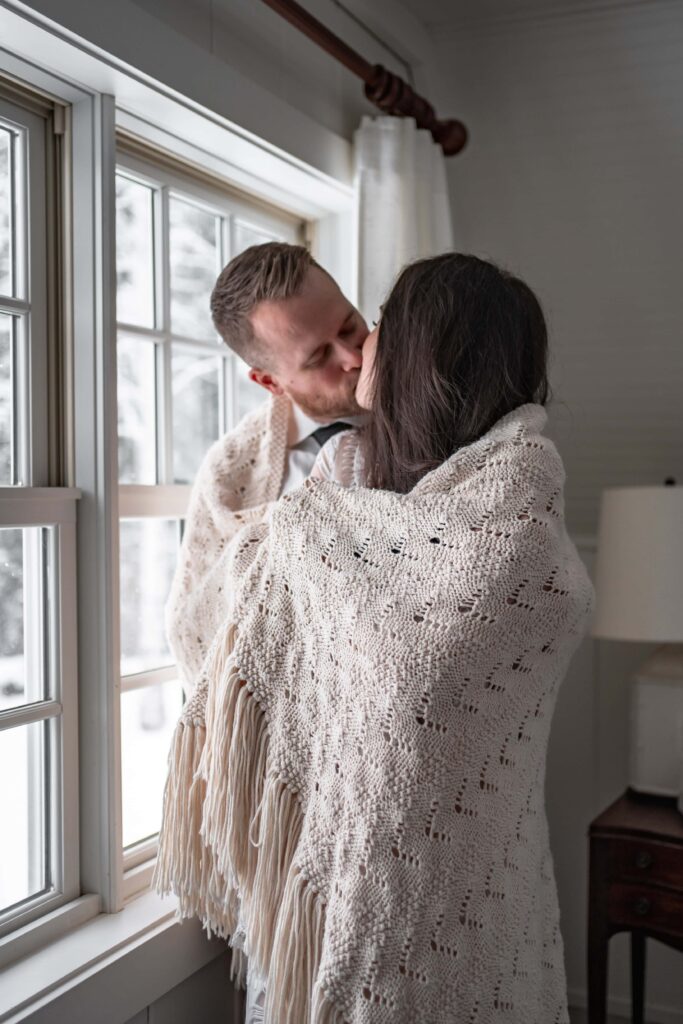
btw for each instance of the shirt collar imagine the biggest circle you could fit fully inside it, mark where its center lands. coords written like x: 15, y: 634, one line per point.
x: 302, y: 426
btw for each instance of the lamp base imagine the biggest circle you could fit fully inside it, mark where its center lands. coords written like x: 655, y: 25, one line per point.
x: 656, y: 748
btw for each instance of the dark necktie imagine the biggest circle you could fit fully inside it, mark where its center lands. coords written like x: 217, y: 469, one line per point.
x: 323, y: 433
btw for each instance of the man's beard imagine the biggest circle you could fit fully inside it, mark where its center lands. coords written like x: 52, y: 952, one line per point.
x: 323, y: 407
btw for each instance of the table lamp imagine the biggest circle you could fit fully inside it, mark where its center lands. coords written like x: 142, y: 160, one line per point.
x: 639, y: 597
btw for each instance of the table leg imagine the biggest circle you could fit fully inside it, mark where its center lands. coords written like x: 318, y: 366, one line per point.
x: 637, y: 976
x: 598, y: 955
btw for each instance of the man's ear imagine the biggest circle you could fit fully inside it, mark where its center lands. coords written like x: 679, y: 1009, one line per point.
x: 266, y: 380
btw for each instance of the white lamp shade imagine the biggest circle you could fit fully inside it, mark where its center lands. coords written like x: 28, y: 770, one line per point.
x: 639, y: 567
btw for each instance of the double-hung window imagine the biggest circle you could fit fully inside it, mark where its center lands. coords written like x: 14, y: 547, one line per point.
x: 119, y: 206
x: 179, y: 388
x: 39, y: 852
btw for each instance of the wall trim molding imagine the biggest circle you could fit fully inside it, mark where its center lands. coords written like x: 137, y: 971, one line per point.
x: 620, y: 1008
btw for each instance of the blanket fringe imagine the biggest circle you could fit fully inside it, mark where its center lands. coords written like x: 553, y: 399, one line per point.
x: 184, y: 864
x: 238, y: 968
x: 297, y: 948
x: 230, y: 829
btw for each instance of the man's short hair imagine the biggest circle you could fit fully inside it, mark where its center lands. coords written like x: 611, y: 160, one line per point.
x: 271, y: 271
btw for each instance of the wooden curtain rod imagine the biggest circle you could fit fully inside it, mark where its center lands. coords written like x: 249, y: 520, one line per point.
x: 383, y: 88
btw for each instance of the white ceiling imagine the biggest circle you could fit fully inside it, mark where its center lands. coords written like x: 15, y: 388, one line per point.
x: 454, y: 12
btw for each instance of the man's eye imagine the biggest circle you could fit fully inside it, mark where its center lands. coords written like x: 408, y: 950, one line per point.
x: 319, y: 358
x: 374, y: 323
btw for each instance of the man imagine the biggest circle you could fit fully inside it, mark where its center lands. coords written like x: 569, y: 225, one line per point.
x: 302, y: 339
x: 288, y: 320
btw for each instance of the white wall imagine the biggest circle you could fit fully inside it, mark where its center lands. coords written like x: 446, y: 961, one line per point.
x: 572, y: 179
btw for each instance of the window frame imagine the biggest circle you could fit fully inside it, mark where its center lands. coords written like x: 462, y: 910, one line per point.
x: 29, y: 500
x: 170, y: 179
x: 77, y: 75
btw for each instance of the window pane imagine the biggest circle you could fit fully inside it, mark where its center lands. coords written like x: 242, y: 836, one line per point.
x: 137, y: 410
x: 196, y: 394
x: 148, y: 553
x: 6, y: 400
x: 148, y: 718
x: 134, y: 253
x: 249, y: 395
x: 6, y: 256
x: 23, y: 810
x: 23, y: 622
x: 245, y: 235
x: 194, y: 267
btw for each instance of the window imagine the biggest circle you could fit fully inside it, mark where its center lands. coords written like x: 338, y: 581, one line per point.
x: 179, y: 388
x: 38, y: 708
x: 86, y: 682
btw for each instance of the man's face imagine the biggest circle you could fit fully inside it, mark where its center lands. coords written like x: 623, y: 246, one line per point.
x: 314, y: 341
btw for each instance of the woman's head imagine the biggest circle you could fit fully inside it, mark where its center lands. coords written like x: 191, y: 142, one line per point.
x: 460, y: 344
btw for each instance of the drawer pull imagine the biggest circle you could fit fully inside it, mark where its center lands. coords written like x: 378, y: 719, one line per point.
x: 642, y: 906
x: 643, y: 859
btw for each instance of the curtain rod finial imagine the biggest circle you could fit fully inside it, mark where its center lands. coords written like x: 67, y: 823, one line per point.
x: 394, y: 96
x: 451, y: 135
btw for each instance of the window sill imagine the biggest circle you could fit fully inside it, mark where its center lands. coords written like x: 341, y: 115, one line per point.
x: 108, y: 968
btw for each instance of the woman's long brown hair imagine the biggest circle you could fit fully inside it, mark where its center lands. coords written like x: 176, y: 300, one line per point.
x: 461, y: 343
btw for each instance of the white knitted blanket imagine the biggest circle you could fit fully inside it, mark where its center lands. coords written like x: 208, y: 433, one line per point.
x: 362, y: 759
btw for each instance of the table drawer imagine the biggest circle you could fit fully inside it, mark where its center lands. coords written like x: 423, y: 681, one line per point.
x: 638, y: 859
x: 642, y: 906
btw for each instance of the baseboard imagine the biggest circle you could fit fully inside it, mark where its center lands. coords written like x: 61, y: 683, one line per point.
x: 619, y: 1010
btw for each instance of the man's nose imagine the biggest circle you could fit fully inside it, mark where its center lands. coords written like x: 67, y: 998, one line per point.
x: 352, y: 356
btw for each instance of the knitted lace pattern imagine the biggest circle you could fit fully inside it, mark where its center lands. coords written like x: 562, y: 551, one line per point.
x: 361, y: 761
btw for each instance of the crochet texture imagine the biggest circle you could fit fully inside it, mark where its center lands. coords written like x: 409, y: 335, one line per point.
x: 359, y: 771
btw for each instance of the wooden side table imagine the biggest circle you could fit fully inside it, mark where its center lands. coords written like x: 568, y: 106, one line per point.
x: 636, y: 885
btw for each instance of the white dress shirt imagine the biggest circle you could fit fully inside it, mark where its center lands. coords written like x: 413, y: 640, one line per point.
x: 303, y: 449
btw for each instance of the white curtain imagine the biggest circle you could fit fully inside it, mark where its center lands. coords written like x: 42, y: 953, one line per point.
x: 404, y: 212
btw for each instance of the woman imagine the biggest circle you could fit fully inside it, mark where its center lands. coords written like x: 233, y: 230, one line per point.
x: 461, y: 344
x: 367, y: 742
